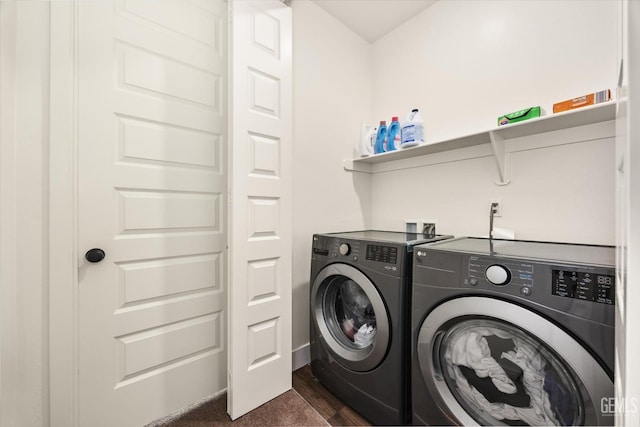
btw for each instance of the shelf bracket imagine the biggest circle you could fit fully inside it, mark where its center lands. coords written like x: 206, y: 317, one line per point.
x: 503, y: 158
x: 351, y: 166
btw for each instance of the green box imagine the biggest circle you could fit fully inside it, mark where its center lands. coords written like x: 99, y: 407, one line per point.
x: 518, y: 116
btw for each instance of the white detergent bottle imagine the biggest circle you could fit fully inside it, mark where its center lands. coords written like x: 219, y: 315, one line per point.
x: 412, y: 130
x: 367, y: 140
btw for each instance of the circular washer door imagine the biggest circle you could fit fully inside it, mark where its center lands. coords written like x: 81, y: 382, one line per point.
x: 491, y: 362
x: 351, y: 317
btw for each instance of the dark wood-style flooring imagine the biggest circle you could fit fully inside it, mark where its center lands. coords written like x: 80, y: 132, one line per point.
x: 326, y: 404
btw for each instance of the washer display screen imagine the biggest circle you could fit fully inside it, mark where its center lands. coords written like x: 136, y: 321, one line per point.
x: 586, y: 286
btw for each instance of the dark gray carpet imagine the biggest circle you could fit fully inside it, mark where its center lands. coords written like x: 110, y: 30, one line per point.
x: 288, y: 409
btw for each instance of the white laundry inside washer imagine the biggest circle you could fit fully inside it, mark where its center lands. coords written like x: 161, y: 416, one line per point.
x: 499, y: 372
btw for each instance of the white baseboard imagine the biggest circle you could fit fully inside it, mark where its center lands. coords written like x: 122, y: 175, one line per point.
x: 300, y: 356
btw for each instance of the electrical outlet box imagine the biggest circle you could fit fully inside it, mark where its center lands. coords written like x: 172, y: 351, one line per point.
x: 410, y: 226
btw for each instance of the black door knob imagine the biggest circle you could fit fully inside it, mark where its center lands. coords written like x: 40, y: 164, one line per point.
x: 95, y: 255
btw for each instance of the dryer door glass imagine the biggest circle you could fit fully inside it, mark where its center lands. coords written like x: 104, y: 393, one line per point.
x: 350, y: 316
x: 352, y: 311
x: 502, y: 375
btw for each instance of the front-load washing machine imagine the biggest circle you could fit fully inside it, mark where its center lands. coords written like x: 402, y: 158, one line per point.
x: 512, y: 333
x: 360, y: 319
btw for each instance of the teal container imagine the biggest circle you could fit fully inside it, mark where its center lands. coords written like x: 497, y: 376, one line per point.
x: 381, y: 138
x: 393, y: 135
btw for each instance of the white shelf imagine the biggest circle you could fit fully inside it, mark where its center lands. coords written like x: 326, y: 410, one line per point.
x: 496, y: 137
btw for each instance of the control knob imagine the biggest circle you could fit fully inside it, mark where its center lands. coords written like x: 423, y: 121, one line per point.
x: 344, y: 249
x: 497, y: 275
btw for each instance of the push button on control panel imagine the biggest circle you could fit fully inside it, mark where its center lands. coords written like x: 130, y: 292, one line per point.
x: 497, y: 275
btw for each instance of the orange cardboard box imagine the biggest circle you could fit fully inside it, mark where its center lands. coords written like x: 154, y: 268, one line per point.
x: 582, y: 101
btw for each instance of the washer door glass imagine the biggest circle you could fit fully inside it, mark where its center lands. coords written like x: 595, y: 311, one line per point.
x: 350, y: 316
x: 500, y: 374
x: 491, y: 362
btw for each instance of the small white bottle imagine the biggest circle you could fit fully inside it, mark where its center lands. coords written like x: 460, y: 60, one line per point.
x: 412, y: 130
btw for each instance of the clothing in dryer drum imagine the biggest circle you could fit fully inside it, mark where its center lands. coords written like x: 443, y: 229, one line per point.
x: 350, y: 313
x: 353, y: 308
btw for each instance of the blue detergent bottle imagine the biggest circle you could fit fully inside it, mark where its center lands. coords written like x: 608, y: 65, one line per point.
x: 393, y: 135
x: 381, y: 138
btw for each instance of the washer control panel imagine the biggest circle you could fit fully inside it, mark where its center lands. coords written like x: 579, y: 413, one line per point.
x: 578, y: 280
x: 587, y: 286
x: 499, y: 272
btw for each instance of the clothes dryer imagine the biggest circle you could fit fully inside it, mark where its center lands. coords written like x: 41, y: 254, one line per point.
x: 360, y: 319
x: 513, y: 333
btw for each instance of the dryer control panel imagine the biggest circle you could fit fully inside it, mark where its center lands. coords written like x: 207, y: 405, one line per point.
x: 379, y: 253
x: 390, y: 259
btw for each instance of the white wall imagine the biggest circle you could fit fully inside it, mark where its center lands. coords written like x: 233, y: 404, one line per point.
x: 464, y: 63
x: 332, y: 97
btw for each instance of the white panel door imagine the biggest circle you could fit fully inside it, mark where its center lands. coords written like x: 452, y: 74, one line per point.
x: 152, y: 190
x: 260, y: 208
x: 627, y: 404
